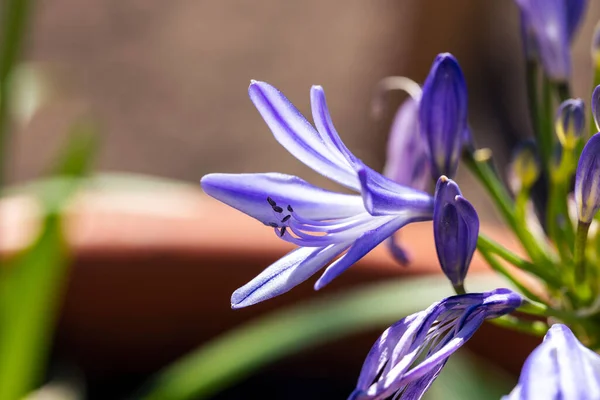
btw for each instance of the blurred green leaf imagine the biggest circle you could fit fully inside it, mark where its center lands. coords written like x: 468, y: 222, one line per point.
x: 242, y: 351
x: 465, y: 377
x: 32, y: 282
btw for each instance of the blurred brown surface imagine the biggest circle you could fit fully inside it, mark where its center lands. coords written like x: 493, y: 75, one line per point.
x: 150, y: 282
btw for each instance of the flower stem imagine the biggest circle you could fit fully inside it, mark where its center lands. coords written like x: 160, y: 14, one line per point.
x: 460, y: 288
x: 482, y: 169
x: 498, y: 267
x: 535, y: 328
x: 579, y: 252
x: 487, y: 245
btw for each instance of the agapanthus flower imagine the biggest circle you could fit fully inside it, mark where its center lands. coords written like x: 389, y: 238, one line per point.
x: 324, y: 224
x: 587, y: 180
x: 549, y: 27
x: 570, y: 122
x: 443, y: 115
x: 410, y: 354
x: 559, y: 368
x: 455, y: 230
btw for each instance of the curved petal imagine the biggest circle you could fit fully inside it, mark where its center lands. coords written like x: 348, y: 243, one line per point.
x: 397, y: 251
x: 382, y: 196
x: 298, y: 136
x: 374, y: 183
x: 249, y: 192
x: 286, y: 273
x: 364, y: 244
x: 407, y: 159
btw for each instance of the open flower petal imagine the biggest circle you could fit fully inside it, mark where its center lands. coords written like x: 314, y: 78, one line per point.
x: 249, y: 193
x: 298, y: 136
x: 410, y: 354
x: 364, y: 244
x: 288, y: 272
x: 560, y: 368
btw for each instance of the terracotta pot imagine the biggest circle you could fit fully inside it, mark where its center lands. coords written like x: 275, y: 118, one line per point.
x: 154, y: 269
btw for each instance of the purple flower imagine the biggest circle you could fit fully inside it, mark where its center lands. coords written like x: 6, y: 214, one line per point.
x: 323, y: 224
x: 407, y: 160
x: 548, y: 29
x: 559, y: 368
x: 587, y: 180
x: 443, y: 115
x: 455, y: 229
x: 570, y: 122
x: 596, y: 106
x: 410, y: 354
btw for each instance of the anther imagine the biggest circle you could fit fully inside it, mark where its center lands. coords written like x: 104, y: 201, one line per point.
x: 271, y: 202
x: 277, y: 209
x: 290, y: 209
x: 273, y: 224
x: 286, y: 218
x: 282, y: 231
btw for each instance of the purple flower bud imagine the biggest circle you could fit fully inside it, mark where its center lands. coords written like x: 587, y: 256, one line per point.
x: 553, y: 24
x: 596, y: 46
x: 410, y: 354
x: 407, y: 161
x: 443, y: 114
x: 455, y: 230
x: 570, y: 122
x: 587, y: 180
x: 596, y: 106
x: 559, y: 368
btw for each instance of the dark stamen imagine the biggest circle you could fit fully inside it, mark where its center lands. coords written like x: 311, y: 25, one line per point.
x: 273, y: 224
x: 290, y: 209
x: 271, y: 202
x: 286, y: 218
x: 277, y: 209
x: 282, y: 231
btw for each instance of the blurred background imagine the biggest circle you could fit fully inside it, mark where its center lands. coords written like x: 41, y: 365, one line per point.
x: 154, y: 262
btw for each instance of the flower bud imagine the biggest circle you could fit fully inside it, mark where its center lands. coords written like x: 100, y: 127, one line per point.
x: 455, y: 230
x: 596, y: 46
x: 596, y: 106
x: 570, y: 122
x: 443, y: 114
x: 587, y: 180
x: 549, y: 27
x: 524, y: 168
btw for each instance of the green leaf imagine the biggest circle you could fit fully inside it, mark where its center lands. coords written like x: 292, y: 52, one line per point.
x: 31, y: 286
x: 242, y: 351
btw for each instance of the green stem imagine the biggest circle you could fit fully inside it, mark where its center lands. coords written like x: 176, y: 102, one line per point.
x: 460, y: 288
x: 544, y: 141
x: 15, y: 14
x: 486, y: 175
x: 563, y: 90
x: 579, y: 253
x: 486, y: 244
x: 535, y: 328
x: 545, y: 115
x: 498, y: 267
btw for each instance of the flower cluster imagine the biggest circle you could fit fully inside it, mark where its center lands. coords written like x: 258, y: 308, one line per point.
x: 550, y: 205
